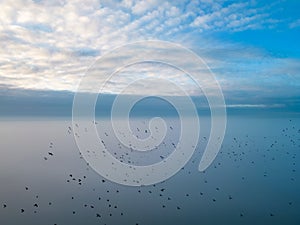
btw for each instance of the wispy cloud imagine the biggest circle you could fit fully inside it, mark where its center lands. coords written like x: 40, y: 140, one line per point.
x: 295, y: 24
x: 48, y: 45
x: 234, y: 17
x: 255, y: 105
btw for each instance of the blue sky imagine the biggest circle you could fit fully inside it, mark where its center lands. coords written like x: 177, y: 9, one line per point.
x: 251, y: 46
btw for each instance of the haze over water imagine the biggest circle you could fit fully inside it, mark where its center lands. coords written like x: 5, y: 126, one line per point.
x: 254, y: 178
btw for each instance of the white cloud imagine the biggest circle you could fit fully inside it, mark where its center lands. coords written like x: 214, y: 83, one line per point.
x: 50, y: 44
x: 234, y: 17
x: 295, y: 24
x: 143, y: 6
x: 127, y: 3
x: 255, y: 105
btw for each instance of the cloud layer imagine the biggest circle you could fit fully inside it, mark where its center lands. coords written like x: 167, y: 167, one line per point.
x: 48, y: 45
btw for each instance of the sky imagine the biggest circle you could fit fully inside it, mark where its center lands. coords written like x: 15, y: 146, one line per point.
x: 252, y: 47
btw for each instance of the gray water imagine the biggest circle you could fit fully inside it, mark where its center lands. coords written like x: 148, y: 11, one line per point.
x: 253, y: 180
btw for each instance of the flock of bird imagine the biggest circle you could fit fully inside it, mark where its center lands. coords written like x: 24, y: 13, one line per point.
x: 242, y: 153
